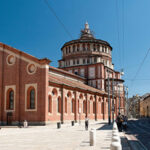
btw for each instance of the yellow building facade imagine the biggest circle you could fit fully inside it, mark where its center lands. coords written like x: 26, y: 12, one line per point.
x: 145, y: 107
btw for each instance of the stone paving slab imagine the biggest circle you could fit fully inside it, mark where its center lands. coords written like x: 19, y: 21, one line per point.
x: 51, y: 138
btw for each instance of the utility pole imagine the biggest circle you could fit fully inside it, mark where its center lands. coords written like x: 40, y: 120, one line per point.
x: 113, y: 99
x: 127, y: 102
x: 109, y: 121
x: 119, y: 98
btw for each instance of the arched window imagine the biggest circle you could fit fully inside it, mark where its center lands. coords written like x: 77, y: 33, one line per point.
x: 102, y: 107
x: 95, y: 59
x: 73, y: 48
x: 10, y: 99
x: 83, y: 61
x: 98, y: 48
x: 72, y: 106
x: 88, y: 47
x: 74, y: 62
x: 83, y: 47
x: 69, y: 49
x: 89, y: 107
x: 79, y: 106
x: 93, y: 107
x: 77, y: 47
x: 65, y: 105
x: 49, y: 104
x: 102, y: 48
x: 54, y: 92
x: 66, y: 50
x: 31, y: 98
x: 94, y: 48
x: 84, y: 106
x: 59, y: 105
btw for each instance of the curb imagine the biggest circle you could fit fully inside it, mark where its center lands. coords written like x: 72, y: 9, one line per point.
x: 134, y: 143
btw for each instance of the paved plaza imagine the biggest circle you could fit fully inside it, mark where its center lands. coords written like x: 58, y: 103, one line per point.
x: 50, y: 138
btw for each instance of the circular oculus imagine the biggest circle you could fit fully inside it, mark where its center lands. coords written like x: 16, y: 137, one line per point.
x: 31, y: 68
x: 11, y: 59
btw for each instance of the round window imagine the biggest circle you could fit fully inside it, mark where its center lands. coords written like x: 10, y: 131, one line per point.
x: 31, y: 68
x: 10, y: 60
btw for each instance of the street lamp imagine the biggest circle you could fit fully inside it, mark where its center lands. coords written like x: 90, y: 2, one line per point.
x: 109, y: 121
x: 126, y: 98
x: 113, y: 108
x: 121, y: 73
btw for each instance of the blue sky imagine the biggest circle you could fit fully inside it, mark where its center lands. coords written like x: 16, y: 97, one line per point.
x: 30, y: 26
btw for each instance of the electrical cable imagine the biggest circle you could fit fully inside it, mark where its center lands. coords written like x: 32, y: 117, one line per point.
x: 118, y: 34
x: 59, y: 20
x: 123, y: 31
x: 141, y: 64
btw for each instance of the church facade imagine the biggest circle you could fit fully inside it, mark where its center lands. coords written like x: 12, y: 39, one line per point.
x: 32, y: 90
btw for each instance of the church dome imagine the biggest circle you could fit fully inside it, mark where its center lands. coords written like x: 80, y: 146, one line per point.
x: 86, y: 36
x: 86, y: 50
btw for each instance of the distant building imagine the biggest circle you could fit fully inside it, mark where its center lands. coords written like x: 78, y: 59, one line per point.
x: 137, y: 106
x: 145, y: 106
x: 32, y: 90
x: 134, y: 106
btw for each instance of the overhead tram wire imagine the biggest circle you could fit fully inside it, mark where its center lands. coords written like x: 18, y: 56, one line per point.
x: 140, y: 67
x: 123, y: 32
x: 118, y: 34
x: 59, y: 20
x: 137, y: 79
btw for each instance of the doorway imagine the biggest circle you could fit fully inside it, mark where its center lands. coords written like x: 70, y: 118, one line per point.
x: 9, y: 118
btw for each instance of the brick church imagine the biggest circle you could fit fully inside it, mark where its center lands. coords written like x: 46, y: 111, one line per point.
x: 33, y: 90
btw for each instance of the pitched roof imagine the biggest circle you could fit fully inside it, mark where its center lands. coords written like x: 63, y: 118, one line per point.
x: 61, y: 71
x: 72, y: 83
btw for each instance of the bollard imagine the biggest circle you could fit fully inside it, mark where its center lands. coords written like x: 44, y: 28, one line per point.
x: 25, y: 124
x: 72, y: 123
x: 58, y: 125
x: 115, y: 131
x: 115, y: 139
x: 115, y: 126
x: 115, y: 146
x: 92, y: 137
x: 94, y: 131
x: 115, y: 134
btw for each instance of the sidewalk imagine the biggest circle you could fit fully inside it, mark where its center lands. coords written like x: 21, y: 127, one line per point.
x: 50, y: 138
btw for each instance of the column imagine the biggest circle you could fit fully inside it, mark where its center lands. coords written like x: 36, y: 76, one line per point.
x: 62, y: 104
x: 96, y: 107
x: 76, y: 106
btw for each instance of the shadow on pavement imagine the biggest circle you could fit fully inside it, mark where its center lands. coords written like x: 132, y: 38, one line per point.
x: 101, y: 123
x: 105, y: 127
x: 140, y: 129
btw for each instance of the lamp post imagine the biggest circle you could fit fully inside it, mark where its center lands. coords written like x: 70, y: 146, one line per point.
x: 119, y: 98
x: 121, y: 73
x: 109, y: 121
x: 126, y: 100
x: 113, y: 109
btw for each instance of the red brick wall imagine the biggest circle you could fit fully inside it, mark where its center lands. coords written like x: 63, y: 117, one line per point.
x: 17, y: 75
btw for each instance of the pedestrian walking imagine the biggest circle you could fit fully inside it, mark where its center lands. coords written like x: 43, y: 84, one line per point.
x: 86, y: 123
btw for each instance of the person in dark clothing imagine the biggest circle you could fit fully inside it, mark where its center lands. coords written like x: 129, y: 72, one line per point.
x: 119, y: 121
x: 124, y: 124
x: 86, y: 123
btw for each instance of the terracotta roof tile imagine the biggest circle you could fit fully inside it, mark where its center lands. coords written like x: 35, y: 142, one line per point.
x: 75, y: 84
